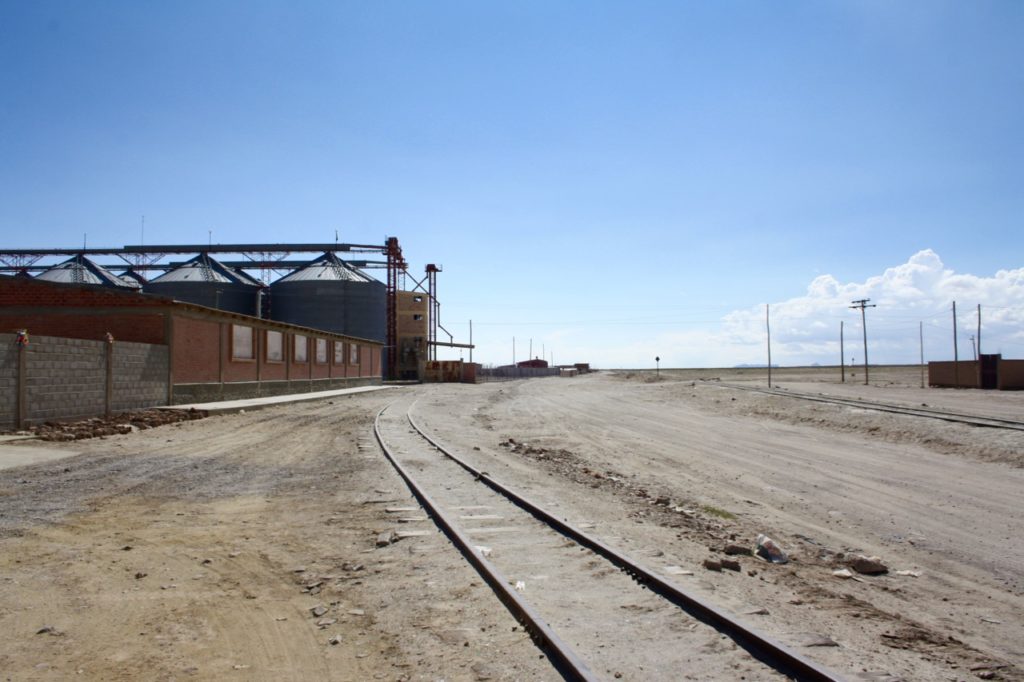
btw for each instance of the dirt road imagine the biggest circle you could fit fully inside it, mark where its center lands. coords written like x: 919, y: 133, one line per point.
x: 200, y: 550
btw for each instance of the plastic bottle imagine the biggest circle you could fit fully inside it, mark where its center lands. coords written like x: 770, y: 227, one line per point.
x: 769, y: 551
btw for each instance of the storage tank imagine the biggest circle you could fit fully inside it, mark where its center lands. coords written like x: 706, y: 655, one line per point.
x: 206, y: 282
x: 80, y: 270
x: 331, y: 295
x: 133, y: 279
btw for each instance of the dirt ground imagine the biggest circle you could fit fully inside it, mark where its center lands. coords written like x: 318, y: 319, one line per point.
x: 244, y: 546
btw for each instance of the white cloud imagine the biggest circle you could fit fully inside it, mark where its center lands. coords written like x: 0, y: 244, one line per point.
x: 805, y: 329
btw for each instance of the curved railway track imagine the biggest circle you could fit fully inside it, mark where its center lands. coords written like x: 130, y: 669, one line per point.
x: 957, y: 417
x: 591, y: 609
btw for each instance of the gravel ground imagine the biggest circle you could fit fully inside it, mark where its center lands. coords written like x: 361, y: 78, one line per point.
x: 199, y: 550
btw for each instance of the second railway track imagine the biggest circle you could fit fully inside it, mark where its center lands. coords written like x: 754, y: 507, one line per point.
x: 596, y: 613
x: 924, y: 412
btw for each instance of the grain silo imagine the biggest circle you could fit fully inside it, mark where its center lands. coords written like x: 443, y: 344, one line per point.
x: 80, y: 270
x: 204, y: 281
x: 133, y: 279
x: 331, y: 295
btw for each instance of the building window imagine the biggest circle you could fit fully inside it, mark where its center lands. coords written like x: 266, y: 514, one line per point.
x: 417, y: 299
x: 339, y: 353
x: 353, y: 354
x: 300, y: 347
x: 275, y: 346
x: 321, y: 351
x: 417, y: 317
x: 241, y: 342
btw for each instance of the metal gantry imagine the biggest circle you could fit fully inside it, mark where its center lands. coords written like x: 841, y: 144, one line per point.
x: 269, y: 259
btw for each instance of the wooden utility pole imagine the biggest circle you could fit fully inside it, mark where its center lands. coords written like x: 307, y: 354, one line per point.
x: 956, y: 355
x: 842, y: 356
x: 861, y: 305
x: 979, y: 332
x: 920, y: 332
x: 768, y: 328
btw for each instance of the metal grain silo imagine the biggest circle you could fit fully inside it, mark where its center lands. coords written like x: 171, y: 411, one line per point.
x: 206, y: 282
x: 133, y: 279
x: 80, y: 270
x: 329, y: 294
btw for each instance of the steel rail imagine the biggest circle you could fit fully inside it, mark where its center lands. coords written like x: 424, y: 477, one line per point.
x: 955, y: 417
x: 560, y: 654
x: 774, y: 654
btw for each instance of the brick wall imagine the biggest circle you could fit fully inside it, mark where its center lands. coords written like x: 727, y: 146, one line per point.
x: 67, y: 378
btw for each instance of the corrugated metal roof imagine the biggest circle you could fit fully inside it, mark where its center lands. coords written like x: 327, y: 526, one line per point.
x: 81, y: 270
x: 202, y: 268
x: 326, y: 268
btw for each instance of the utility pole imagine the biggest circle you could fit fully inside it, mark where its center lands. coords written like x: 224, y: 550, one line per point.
x: 842, y: 356
x: 768, y: 329
x: 978, y: 354
x: 861, y: 305
x: 974, y: 348
x: 956, y: 355
x: 920, y: 331
x: 471, y: 341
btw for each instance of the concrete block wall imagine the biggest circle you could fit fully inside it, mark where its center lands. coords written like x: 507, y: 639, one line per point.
x: 140, y: 375
x: 67, y: 378
x: 8, y: 380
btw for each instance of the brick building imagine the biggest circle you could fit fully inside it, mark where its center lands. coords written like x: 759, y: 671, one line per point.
x: 211, y: 354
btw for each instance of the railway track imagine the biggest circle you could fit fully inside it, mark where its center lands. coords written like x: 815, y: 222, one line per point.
x: 960, y: 418
x: 595, y: 612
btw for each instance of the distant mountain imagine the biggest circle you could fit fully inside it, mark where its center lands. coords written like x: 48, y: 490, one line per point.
x: 746, y: 366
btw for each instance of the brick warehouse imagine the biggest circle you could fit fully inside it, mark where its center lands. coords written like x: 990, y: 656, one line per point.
x: 212, y: 354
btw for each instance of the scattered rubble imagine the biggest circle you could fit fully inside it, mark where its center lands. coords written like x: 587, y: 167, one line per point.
x: 119, y: 424
x: 868, y: 565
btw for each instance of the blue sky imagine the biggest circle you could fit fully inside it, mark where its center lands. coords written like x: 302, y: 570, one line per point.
x: 614, y: 181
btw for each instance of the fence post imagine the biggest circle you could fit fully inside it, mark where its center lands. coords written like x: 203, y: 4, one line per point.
x: 108, y: 397
x: 22, y: 381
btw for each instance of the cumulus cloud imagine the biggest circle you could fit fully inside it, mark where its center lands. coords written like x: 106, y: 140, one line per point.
x: 921, y: 291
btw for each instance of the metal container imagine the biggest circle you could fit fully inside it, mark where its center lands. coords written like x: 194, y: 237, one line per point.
x: 206, y: 282
x: 331, y: 295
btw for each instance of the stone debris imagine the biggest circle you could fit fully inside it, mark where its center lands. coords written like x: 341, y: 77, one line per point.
x: 49, y: 630
x: 318, y: 610
x: 845, y: 574
x: 868, y: 565
x: 520, y: 586
x: 326, y: 622
x: 712, y: 564
x: 334, y: 641
x: 356, y: 612
x: 909, y: 574
x: 120, y: 424
x: 385, y: 538
x: 730, y: 564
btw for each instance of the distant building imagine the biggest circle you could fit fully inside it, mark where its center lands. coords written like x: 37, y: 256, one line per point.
x: 536, y: 363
